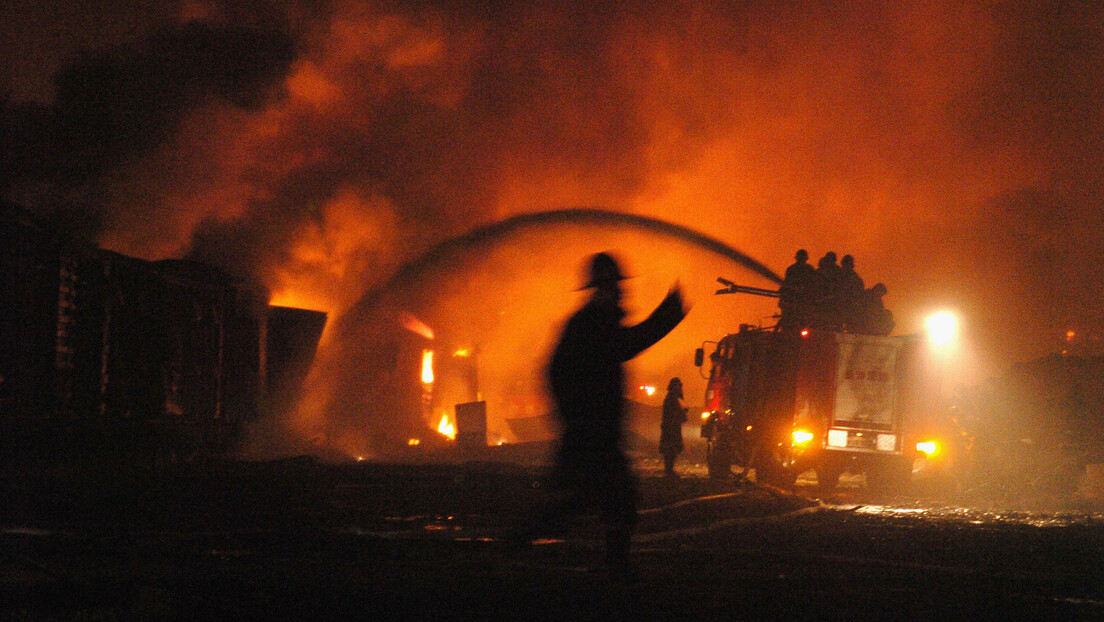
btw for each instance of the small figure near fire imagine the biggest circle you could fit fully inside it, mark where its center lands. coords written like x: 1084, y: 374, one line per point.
x: 670, y: 429
x: 588, y: 384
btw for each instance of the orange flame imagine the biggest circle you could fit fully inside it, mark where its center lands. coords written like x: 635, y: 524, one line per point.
x: 427, y: 366
x: 446, y: 427
x: 414, y: 325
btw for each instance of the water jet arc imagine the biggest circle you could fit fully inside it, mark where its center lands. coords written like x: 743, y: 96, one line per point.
x: 443, y: 252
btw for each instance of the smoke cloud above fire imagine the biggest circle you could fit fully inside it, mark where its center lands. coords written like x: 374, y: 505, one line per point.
x: 315, y: 148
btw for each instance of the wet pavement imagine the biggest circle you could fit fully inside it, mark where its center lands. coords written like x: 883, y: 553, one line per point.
x: 300, y: 540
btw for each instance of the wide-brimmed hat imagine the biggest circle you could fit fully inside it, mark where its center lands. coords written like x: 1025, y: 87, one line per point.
x: 603, y: 269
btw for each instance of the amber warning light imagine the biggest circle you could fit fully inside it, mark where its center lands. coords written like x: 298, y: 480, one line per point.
x: 800, y: 437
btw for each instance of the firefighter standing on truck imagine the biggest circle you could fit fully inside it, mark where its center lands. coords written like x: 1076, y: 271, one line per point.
x: 587, y: 382
x: 826, y: 293
x: 796, y: 293
x: 851, y: 294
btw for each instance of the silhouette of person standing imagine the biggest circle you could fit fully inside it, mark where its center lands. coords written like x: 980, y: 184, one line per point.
x: 670, y: 428
x: 851, y: 293
x: 826, y: 296
x: 795, y: 299
x: 587, y: 382
x: 876, y: 319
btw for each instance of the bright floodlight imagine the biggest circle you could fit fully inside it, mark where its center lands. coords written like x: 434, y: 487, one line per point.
x: 942, y: 328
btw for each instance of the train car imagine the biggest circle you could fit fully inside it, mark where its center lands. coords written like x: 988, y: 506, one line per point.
x: 105, y: 352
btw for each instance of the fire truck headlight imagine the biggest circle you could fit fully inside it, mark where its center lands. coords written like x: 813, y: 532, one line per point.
x: 800, y: 437
x: 837, y: 438
x: 928, y: 448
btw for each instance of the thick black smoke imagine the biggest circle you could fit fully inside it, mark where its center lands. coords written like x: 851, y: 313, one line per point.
x: 441, y: 106
x: 119, y: 105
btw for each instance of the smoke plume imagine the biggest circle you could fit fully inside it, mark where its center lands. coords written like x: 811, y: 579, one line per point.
x: 953, y: 148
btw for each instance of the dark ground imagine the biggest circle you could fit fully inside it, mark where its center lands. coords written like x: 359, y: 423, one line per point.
x: 297, y: 539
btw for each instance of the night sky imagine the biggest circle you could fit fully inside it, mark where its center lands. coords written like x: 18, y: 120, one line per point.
x: 954, y: 148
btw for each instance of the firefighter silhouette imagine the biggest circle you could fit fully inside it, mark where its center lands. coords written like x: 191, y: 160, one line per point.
x: 875, y: 318
x: 587, y: 381
x: 670, y: 428
x: 851, y: 293
x: 826, y: 293
x: 795, y: 294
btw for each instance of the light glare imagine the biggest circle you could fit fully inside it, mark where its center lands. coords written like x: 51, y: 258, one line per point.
x: 801, y: 437
x: 427, y: 366
x: 942, y: 328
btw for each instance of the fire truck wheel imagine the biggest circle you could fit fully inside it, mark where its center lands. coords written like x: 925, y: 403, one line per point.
x: 827, y: 479
x: 720, y: 467
x: 776, y: 474
x: 891, y: 476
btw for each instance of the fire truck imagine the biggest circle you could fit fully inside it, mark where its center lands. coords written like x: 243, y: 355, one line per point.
x: 783, y: 402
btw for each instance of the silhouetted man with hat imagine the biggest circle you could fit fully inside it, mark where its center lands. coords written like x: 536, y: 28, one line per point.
x: 796, y: 293
x: 851, y: 293
x: 588, y: 384
x: 876, y: 319
x: 826, y: 293
x: 670, y: 426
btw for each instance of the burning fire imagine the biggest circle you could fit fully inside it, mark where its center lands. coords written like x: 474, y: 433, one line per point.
x: 333, y: 227
x: 427, y: 366
x: 414, y: 325
x: 447, y: 427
